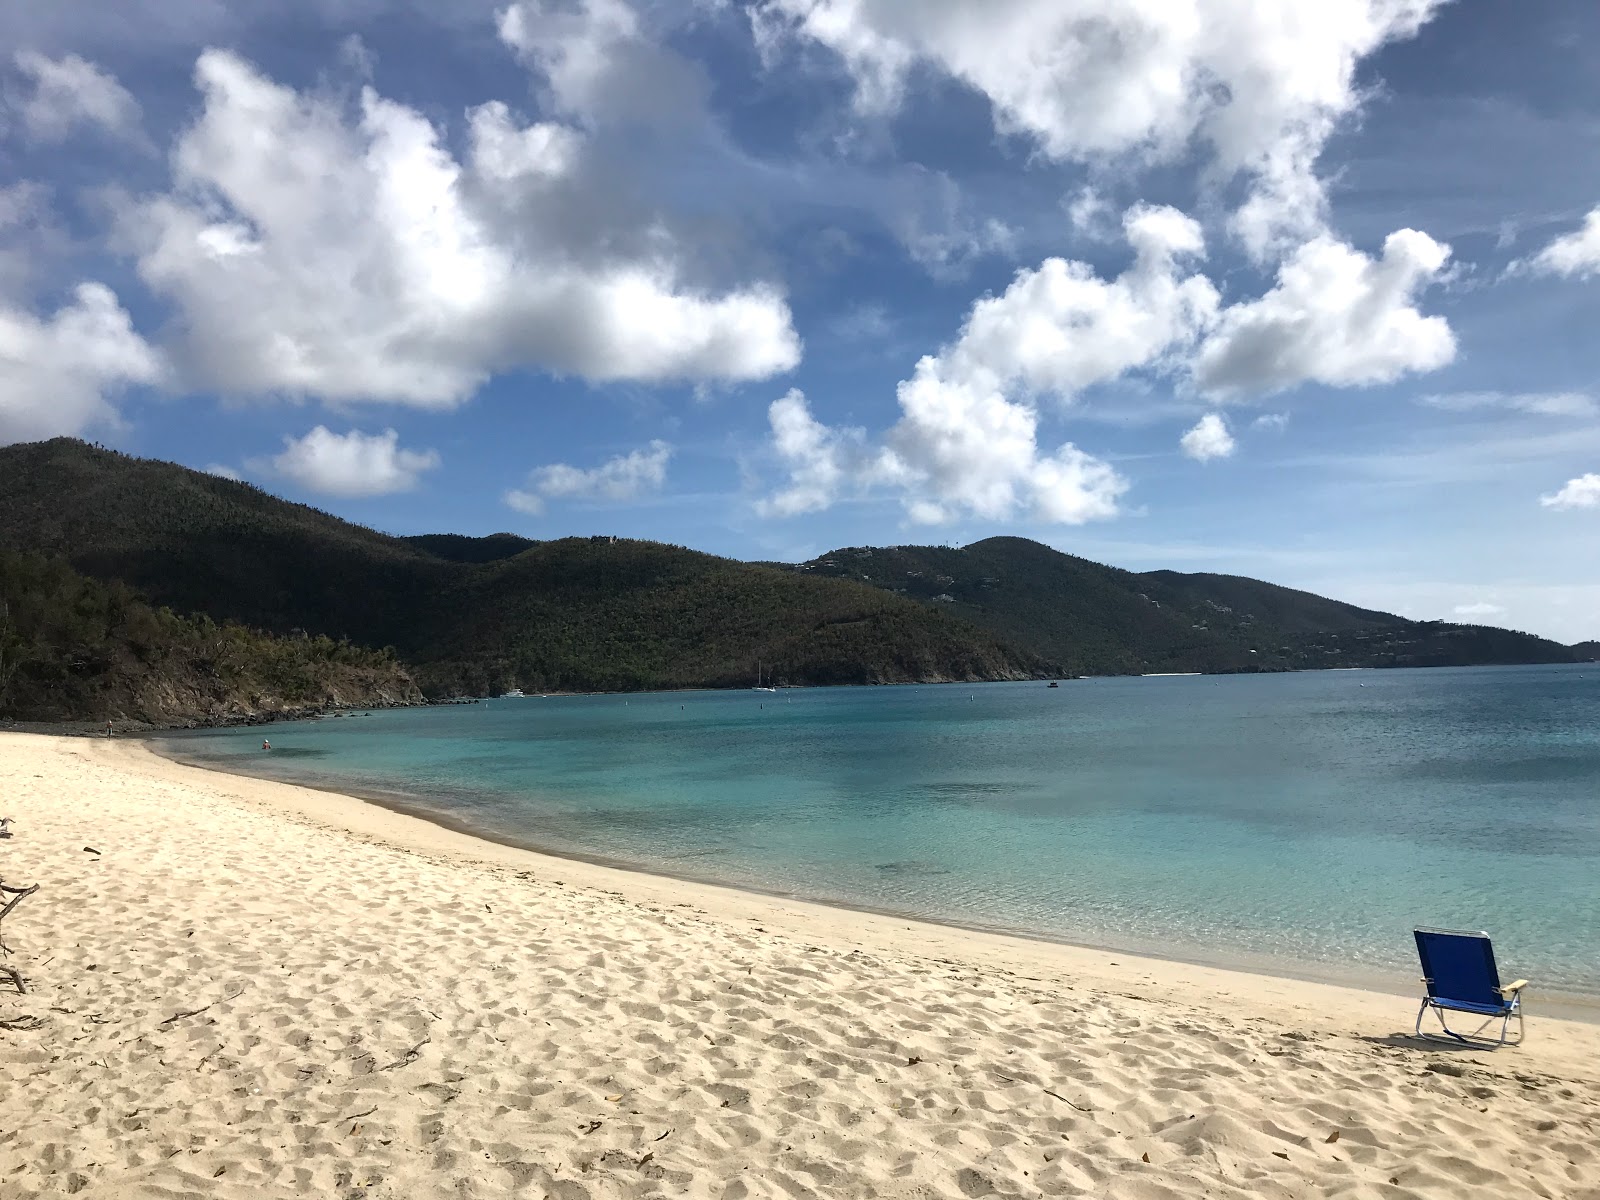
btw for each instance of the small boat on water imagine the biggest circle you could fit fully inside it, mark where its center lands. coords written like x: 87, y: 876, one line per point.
x: 758, y: 687
x: 1053, y: 683
x: 513, y: 694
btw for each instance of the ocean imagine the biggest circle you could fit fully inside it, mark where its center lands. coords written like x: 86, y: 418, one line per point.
x: 1300, y: 823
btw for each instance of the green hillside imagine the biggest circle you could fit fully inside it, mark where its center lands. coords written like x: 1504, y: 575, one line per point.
x: 73, y: 649
x: 472, y: 615
x: 1086, y: 618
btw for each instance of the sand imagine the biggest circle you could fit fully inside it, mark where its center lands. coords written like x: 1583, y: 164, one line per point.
x: 257, y: 990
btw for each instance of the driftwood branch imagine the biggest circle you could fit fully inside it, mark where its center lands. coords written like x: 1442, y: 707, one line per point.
x: 410, y: 1056
x: 18, y: 895
x: 1067, y: 1102
x: 195, y: 1012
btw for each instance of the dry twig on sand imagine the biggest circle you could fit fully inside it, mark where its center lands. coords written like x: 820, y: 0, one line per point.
x: 17, y: 896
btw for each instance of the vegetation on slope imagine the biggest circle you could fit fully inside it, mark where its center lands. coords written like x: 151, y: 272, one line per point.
x: 583, y: 613
x: 472, y: 615
x: 1086, y: 618
x: 481, y: 615
x: 73, y: 648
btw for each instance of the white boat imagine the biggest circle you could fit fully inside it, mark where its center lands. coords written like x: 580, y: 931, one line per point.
x: 758, y: 687
x: 513, y: 694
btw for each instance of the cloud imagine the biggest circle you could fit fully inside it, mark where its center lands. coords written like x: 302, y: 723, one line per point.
x: 1576, y: 254
x: 599, y: 62
x: 1480, y: 609
x: 1272, y: 422
x: 967, y: 437
x: 1209, y: 439
x: 69, y: 92
x: 222, y: 471
x: 1260, y: 87
x: 957, y: 449
x: 961, y: 446
x: 353, y: 464
x: 57, y: 375
x: 354, y: 259
x: 941, y: 233
x: 823, y: 463
x: 1545, y: 404
x: 1061, y: 328
x: 1582, y: 492
x: 625, y: 477
x: 1335, y: 317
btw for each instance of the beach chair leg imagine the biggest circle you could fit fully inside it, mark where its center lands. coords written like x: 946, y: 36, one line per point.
x: 1438, y: 1012
x: 1505, y: 1026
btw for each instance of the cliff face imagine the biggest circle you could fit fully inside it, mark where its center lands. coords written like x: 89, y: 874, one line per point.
x: 196, y: 698
x: 75, y: 649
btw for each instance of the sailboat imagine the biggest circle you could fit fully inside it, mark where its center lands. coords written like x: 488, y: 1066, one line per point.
x: 758, y: 687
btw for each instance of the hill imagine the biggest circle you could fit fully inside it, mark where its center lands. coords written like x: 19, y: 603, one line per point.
x: 1087, y: 618
x: 1587, y: 651
x: 472, y: 615
x: 74, y: 649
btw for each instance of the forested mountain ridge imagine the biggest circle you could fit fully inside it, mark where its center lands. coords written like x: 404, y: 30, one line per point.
x: 1093, y: 619
x: 472, y: 616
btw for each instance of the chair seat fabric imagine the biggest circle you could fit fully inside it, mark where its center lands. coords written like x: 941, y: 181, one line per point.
x: 1488, y: 1010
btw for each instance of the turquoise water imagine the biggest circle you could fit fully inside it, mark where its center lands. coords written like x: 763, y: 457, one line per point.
x: 1305, y: 819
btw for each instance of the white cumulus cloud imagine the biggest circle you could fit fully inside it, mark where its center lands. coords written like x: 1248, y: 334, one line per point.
x: 1260, y: 86
x: 823, y: 463
x: 625, y: 477
x: 353, y: 464
x: 967, y: 440
x: 313, y: 253
x: 1582, y: 492
x: 957, y: 449
x: 1576, y: 254
x: 1481, y: 608
x: 67, y: 92
x: 58, y: 374
x: 1336, y: 317
x: 1061, y: 328
x: 1208, y: 439
x: 223, y: 471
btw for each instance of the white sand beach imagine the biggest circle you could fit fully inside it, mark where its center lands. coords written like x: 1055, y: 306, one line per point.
x: 258, y: 990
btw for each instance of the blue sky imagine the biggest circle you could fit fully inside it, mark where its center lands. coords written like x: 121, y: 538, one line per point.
x: 1303, y: 295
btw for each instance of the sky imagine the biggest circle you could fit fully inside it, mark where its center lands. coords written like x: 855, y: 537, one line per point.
x: 1301, y: 292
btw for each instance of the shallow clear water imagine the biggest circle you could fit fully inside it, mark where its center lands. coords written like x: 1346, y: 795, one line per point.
x: 1311, y: 819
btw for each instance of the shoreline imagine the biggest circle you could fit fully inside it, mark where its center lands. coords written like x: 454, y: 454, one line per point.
x: 248, y: 989
x: 1400, y: 982
x: 131, y: 727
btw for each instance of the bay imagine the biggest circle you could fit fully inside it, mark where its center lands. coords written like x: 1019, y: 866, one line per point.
x: 1303, y: 821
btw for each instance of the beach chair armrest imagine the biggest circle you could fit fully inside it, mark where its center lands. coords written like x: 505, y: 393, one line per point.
x: 1515, y: 986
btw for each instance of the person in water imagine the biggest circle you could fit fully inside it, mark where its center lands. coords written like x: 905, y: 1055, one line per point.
x: 266, y: 745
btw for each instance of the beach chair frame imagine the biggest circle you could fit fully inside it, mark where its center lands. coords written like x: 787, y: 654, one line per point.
x: 1510, y: 1004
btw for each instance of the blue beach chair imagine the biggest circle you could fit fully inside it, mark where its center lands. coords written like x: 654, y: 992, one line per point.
x: 1458, y: 969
